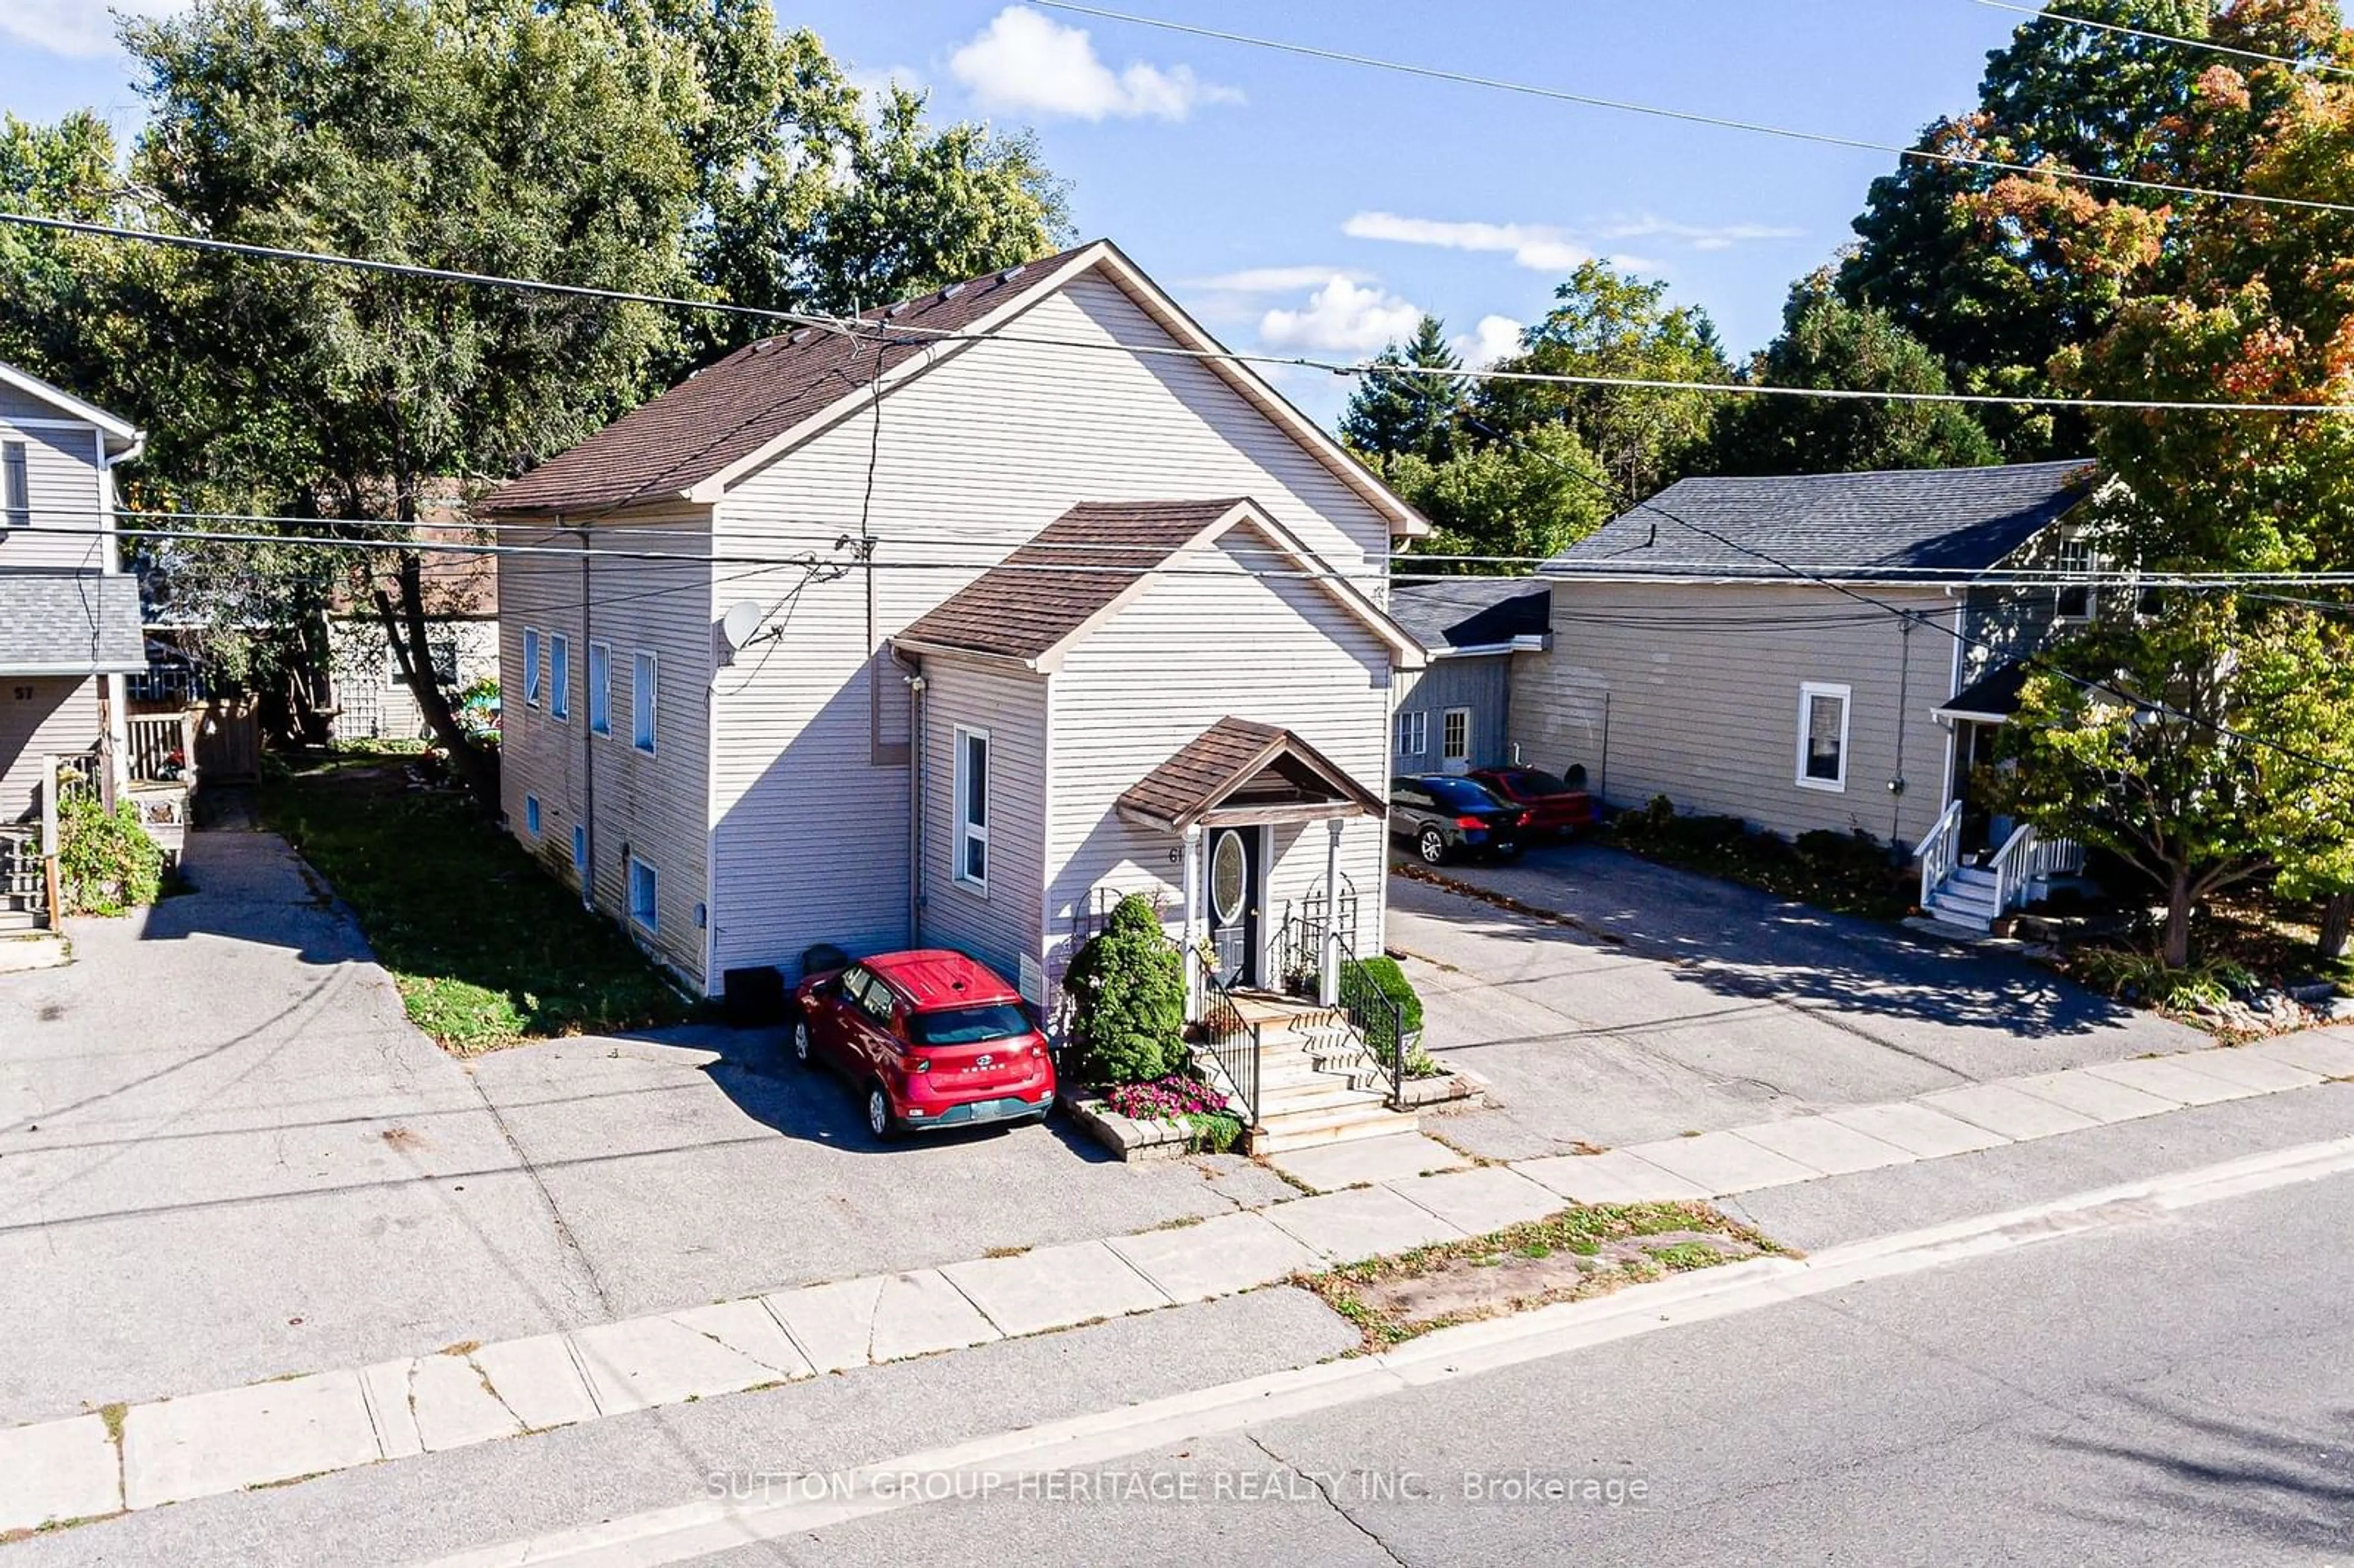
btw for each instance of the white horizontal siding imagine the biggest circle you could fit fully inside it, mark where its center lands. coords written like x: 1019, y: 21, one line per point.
x: 653, y: 806
x: 67, y: 490
x: 1001, y: 924
x: 1188, y: 651
x: 972, y: 458
x: 1691, y: 691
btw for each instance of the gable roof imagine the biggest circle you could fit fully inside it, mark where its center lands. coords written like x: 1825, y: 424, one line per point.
x: 1085, y: 564
x: 760, y: 401
x: 1464, y: 615
x: 1904, y: 525
x: 1245, y: 768
x: 124, y: 440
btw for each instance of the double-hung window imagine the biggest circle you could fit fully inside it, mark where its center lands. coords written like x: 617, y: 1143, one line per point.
x: 645, y: 889
x: 15, y: 484
x: 1455, y: 737
x: 642, y: 676
x: 531, y: 666
x: 601, y: 688
x: 1410, y: 734
x: 1822, y: 735
x: 2077, y: 562
x: 559, y: 676
x: 972, y: 802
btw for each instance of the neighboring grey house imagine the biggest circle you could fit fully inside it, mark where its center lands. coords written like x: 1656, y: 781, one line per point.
x: 68, y: 613
x: 1456, y: 715
x: 1689, y: 663
x: 952, y: 640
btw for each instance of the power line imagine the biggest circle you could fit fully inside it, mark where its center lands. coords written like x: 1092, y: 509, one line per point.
x: 916, y: 334
x: 1686, y: 116
x: 2034, y: 15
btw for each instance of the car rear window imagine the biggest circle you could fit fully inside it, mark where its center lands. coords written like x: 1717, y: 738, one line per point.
x: 1460, y: 795
x: 968, y: 1025
x: 1529, y: 781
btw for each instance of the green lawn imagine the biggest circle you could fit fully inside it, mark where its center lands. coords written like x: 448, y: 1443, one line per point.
x: 486, y: 948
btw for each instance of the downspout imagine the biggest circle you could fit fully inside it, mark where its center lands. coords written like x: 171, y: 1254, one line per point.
x: 587, y: 753
x: 918, y: 756
x: 1904, y: 717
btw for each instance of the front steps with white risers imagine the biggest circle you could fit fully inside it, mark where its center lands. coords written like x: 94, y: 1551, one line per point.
x: 1317, y: 1083
x: 1966, y: 898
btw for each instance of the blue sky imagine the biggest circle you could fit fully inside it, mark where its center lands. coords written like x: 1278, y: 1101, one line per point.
x: 1317, y: 207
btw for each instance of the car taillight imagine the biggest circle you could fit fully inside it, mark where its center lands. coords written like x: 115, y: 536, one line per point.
x: 1527, y: 818
x: 1471, y: 822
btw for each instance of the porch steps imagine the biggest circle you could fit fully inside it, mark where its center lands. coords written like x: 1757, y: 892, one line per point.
x: 1317, y: 1085
x: 1966, y: 898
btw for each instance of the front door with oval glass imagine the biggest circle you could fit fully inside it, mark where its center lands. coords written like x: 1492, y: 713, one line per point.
x: 1235, y: 900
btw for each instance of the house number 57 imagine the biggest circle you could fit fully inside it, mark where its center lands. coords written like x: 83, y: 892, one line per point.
x: 24, y: 694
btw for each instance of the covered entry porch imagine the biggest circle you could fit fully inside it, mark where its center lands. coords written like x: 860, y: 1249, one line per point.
x: 1225, y: 796
x: 1979, y: 865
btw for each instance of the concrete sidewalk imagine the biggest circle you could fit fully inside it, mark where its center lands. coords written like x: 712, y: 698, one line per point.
x: 1386, y: 1196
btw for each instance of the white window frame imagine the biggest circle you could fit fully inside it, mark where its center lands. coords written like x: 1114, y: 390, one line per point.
x: 645, y: 912
x: 1410, y: 732
x: 16, y: 484
x: 600, y: 689
x: 2073, y: 545
x: 531, y: 815
x: 645, y: 683
x: 1445, y: 717
x: 965, y: 831
x: 531, y: 666
x: 1807, y: 691
x: 559, y: 676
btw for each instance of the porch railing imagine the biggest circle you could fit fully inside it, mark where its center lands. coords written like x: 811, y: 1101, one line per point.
x: 1232, y: 1042
x: 23, y: 875
x: 161, y: 745
x: 2027, y: 859
x: 1375, y: 1016
x: 1940, y: 853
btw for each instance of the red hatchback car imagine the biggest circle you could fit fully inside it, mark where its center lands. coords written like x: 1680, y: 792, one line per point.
x: 1550, y: 804
x: 931, y: 1039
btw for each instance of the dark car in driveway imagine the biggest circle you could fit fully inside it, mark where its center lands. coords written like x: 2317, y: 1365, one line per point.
x: 1446, y: 816
x: 930, y: 1038
x: 1555, y: 806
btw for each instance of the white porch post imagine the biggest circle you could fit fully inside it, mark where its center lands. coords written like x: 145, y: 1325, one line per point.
x: 1328, y: 982
x: 1192, y: 924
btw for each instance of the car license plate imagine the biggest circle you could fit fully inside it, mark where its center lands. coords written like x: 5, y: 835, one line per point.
x: 982, y: 1110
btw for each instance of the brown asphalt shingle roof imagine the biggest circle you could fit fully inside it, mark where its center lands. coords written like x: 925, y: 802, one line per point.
x: 1222, y: 759
x: 1075, y: 566
x: 731, y: 410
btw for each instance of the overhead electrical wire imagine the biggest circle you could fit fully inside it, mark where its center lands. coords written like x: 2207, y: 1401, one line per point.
x: 2035, y: 15
x: 909, y: 334
x: 1690, y: 117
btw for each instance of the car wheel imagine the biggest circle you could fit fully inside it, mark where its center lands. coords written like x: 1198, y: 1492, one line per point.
x: 1431, y: 844
x: 801, y: 1044
x: 879, y: 1120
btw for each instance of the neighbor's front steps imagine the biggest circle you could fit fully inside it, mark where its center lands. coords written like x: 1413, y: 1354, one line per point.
x: 172, y: 1450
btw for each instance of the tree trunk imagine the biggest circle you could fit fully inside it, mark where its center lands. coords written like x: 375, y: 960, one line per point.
x: 2176, y: 948
x: 404, y: 627
x: 2336, y: 924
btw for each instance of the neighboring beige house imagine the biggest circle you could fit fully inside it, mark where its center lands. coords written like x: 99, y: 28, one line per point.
x: 953, y: 640
x: 68, y: 614
x: 1687, y: 663
x: 370, y: 699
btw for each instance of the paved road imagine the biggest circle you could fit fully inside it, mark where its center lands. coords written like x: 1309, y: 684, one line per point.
x: 226, y: 1156
x: 1678, y: 1003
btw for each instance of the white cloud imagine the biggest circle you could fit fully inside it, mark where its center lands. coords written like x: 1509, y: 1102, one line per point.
x: 82, y: 29
x: 1538, y: 246
x: 1277, y: 280
x: 1495, y: 338
x: 1699, y: 236
x: 873, y: 84
x: 1344, y: 317
x: 1026, y: 61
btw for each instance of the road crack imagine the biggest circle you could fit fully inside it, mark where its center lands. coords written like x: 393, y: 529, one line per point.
x: 1352, y: 1520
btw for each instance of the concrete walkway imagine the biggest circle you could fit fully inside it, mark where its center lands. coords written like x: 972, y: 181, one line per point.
x: 1414, y: 1191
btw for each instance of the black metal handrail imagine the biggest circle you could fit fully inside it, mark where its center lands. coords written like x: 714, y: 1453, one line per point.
x: 1377, y: 1018
x: 1231, y: 1041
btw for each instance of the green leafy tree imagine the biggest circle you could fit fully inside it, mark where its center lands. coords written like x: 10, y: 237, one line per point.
x: 1395, y: 416
x: 2205, y: 747
x: 1827, y: 343
x: 1526, y: 497
x: 1609, y: 323
x: 1128, y: 999
x: 1995, y: 301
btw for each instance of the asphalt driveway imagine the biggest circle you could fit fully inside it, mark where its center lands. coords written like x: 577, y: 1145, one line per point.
x: 225, y: 1155
x: 1674, y: 1002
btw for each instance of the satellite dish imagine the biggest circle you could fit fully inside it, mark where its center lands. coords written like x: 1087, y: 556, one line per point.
x: 742, y: 622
